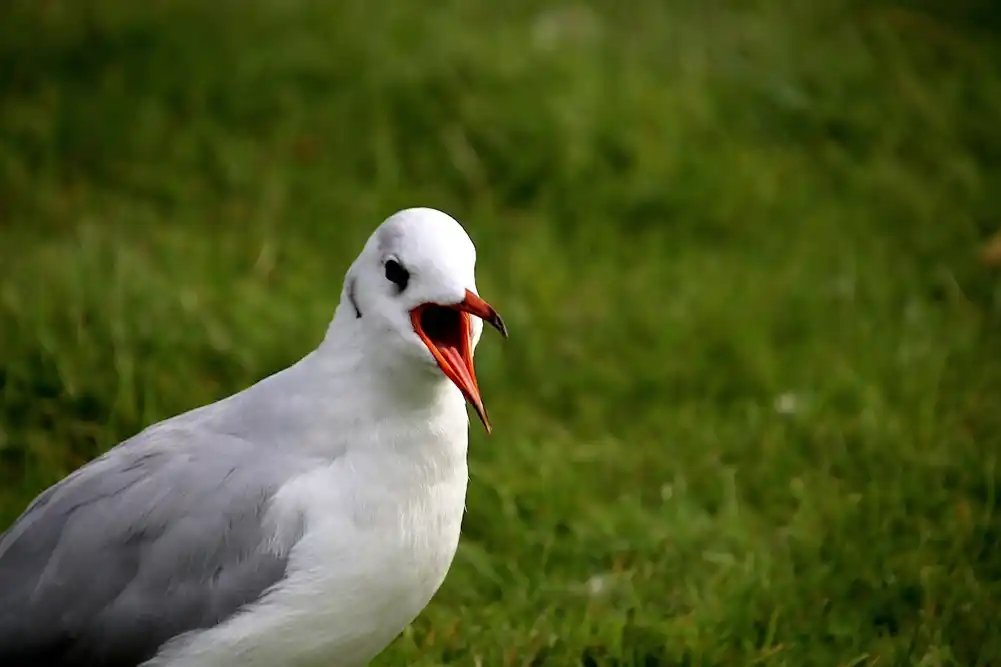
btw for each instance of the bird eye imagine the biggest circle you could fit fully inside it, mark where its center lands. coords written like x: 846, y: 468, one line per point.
x: 396, y: 274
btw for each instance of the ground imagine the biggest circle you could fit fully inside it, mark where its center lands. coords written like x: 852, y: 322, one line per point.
x: 749, y: 412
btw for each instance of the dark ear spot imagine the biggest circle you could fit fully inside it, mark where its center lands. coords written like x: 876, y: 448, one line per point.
x: 351, y: 297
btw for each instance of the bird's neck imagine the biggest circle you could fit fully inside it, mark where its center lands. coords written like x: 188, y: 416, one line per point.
x: 351, y: 354
x: 345, y: 395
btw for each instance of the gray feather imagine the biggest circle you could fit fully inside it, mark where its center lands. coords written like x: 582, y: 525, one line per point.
x: 166, y: 533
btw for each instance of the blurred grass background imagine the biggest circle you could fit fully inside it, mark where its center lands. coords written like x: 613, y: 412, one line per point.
x: 750, y: 409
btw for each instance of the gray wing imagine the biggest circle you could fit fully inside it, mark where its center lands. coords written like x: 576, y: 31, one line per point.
x: 164, y: 534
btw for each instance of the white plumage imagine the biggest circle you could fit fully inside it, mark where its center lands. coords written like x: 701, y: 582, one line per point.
x: 359, y: 453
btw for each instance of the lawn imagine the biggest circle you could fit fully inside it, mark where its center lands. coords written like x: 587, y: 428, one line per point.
x: 750, y: 410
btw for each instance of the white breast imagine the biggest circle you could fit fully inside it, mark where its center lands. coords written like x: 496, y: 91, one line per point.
x: 379, y: 537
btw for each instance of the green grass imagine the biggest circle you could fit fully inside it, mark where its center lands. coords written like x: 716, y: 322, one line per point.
x: 750, y: 412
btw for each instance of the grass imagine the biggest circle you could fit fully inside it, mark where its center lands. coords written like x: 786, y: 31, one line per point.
x: 749, y: 412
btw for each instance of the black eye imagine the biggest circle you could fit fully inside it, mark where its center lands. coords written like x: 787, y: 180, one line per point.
x: 396, y: 274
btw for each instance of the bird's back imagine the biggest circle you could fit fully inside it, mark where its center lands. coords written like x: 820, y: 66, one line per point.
x: 166, y: 533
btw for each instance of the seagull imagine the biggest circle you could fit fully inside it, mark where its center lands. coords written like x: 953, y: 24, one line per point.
x: 303, y: 521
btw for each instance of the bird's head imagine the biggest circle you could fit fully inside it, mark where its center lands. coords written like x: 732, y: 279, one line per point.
x: 412, y: 293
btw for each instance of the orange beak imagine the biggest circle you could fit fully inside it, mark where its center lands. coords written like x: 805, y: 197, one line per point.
x: 448, y: 334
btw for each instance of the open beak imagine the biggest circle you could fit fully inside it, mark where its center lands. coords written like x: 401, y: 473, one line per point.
x: 448, y: 334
